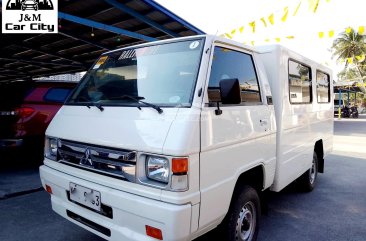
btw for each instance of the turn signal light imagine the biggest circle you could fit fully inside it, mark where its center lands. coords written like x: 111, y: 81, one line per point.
x: 49, y: 189
x: 154, y: 232
x: 180, y: 165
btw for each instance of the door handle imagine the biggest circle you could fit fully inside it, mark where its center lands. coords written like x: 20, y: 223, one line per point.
x: 263, y: 122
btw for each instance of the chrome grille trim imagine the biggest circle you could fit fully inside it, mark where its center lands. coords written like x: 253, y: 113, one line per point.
x: 107, y: 161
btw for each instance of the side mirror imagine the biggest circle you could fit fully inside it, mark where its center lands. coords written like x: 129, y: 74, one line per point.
x: 230, y: 91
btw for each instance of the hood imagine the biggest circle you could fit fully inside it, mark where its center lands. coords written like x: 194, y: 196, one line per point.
x: 121, y: 127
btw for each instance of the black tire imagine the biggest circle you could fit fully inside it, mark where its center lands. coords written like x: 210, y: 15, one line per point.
x: 242, y: 220
x: 307, y: 181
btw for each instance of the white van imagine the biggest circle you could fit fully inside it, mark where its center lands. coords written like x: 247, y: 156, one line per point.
x: 170, y: 139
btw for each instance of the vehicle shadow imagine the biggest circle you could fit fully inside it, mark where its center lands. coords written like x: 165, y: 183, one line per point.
x: 20, y: 159
x: 19, y: 173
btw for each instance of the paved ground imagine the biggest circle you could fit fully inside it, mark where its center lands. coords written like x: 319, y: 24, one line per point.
x: 18, y: 176
x: 350, y: 135
x: 335, y: 210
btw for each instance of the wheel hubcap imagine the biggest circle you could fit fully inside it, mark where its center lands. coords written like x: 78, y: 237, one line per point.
x: 246, y: 222
x: 312, y: 172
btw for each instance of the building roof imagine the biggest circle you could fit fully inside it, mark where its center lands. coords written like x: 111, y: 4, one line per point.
x: 350, y: 86
x: 87, y: 29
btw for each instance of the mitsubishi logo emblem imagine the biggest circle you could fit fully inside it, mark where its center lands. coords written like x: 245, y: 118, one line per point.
x: 86, y: 159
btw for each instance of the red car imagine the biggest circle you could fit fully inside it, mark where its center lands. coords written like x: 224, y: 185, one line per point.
x: 26, y: 109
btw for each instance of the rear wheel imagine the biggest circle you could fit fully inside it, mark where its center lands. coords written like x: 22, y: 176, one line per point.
x: 308, y: 180
x: 242, y: 220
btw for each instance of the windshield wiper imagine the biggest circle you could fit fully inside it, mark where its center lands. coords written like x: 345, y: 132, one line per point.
x: 99, y: 106
x: 82, y: 98
x: 139, y: 100
x: 88, y: 104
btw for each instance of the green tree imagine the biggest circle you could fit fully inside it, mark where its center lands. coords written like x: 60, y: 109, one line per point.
x: 348, y: 74
x: 350, y: 45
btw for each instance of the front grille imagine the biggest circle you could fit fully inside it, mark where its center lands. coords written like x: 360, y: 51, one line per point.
x: 107, y: 161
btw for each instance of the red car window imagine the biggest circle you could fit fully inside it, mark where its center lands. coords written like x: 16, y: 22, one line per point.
x: 58, y: 95
x: 36, y: 95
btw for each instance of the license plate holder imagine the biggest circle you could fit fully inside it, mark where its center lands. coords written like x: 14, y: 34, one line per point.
x: 85, y: 196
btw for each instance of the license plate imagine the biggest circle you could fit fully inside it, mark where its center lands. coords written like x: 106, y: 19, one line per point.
x: 85, y: 196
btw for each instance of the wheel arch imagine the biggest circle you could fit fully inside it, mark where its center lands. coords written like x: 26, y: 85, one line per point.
x: 253, y: 177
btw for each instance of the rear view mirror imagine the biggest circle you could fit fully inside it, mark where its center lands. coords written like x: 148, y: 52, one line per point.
x: 230, y: 91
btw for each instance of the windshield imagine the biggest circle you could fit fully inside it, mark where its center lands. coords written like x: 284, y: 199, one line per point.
x: 164, y: 75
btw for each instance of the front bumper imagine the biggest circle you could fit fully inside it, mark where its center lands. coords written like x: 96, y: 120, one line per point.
x: 130, y: 213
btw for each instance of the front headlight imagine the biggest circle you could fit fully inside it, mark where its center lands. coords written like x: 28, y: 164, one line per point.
x: 51, y: 145
x: 157, y: 168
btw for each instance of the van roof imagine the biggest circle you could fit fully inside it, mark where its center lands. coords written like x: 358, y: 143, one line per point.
x: 211, y: 38
x: 292, y: 53
x: 217, y: 39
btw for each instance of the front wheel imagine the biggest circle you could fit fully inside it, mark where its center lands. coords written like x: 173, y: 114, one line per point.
x: 242, y: 220
x: 308, y: 180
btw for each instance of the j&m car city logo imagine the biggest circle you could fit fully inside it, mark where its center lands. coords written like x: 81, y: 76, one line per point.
x: 29, y: 16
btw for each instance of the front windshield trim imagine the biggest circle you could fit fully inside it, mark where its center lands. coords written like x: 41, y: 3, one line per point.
x: 151, y: 44
x: 165, y: 105
x: 135, y: 104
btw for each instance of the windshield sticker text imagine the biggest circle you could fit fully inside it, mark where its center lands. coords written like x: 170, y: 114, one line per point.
x: 133, y: 53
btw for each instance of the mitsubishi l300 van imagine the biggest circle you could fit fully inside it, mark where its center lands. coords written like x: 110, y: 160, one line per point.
x: 170, y: 139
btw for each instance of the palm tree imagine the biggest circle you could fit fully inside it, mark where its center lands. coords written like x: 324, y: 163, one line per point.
x: 350, y: 45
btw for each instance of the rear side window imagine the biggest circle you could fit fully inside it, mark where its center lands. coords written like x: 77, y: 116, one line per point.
x: 58, y: 95
x: 299, y: 83
x: 231, y: 64
x: 322, y: 87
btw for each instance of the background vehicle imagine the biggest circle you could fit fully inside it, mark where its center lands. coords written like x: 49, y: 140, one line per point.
x: 349, y: 111
x: 171, y: 139
x: 11, y: 97
x: 26, y: 109
x: 354, y: 111
x: 346, y: 111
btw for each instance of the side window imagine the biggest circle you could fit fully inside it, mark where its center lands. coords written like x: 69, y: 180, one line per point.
x: 230, y: 64
x: 322, y: 87
x: 58, y: 95
x: 299, y: 83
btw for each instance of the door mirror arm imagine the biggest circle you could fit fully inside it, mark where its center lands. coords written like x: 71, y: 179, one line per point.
x: 218, y: 111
